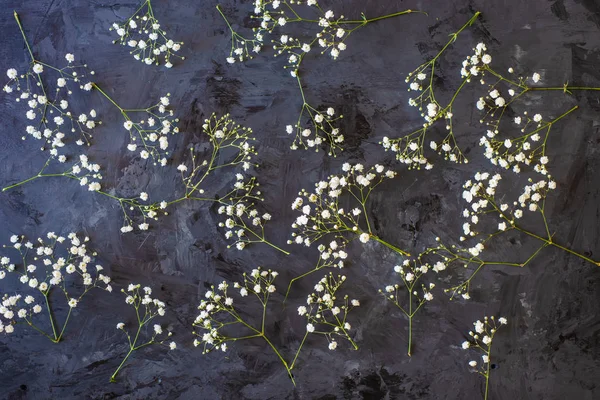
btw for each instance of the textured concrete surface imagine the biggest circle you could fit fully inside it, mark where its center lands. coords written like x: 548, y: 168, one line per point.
x: 550, y: 349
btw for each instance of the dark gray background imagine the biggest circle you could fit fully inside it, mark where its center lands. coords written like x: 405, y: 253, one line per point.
x: 549, y: 349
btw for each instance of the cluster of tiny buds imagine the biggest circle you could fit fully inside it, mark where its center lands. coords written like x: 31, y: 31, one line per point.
x: 134, y: 295
x: 476, y: 64
x: 321, y: 132
x: 495, y: 99
x: 153, y: 131
x: 324, y: 315
x: 148, y: 41
x: 321, y: 213
x: 410, y: 273
x: 480, y: 195
x: 49, y: 267
x: 242, y: 214
x: 219, y: 301
x: 481, y: 338
x: 52, y: 112
x: 89, y: 179
x: 525, y: 150
x: 272, y: 15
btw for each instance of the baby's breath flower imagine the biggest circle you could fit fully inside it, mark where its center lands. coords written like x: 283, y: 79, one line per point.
x: 482, y: 341
x: 147, y: 309
x: 149, y: 42
x: 48, y: 266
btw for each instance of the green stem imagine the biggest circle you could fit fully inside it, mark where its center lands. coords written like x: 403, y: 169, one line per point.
x: 114, y: 375
x: 455, y: 34
x: 64, y: 325
x: 275, y: 247
x: 41, y: 331
x: 24, y: 37
x: 410, y: 317
x: 131, y: 349
x: 552, y: 243
x: 396, y: 249
x: 387, y: 16
x: 51, y: 318
x: 285, y: 364
x: 487, y: 377
x: 564, y: 88
x: 298, y: 351
x: 108, y: 97
x: 297, y: 278
x: 21, y: 183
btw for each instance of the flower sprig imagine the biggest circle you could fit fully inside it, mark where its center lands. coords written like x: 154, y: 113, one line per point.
x: 505, y: 95
x: 47, y: 90
x: 410, y: 149
x: 228, y: 140
x: 219, y: 315
x: 525, y: 150
x: 276, y: 14
x: 410, y: 272
x: 142, y: 32
x: 149, y: 137
x: 481, y: 341
x: 151, y: 132
x: 244, y: 224
x: 275, y: 17
x: 48, y: 268
x: 324, y: 315
x: 489, y: 208
x: 318, y: 130
x: 322, y: 216
x: 333, y: 255
x: 225, y: 136
x: 146, y: 310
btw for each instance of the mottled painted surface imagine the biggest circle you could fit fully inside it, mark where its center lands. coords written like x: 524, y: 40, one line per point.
x: 549, y: 349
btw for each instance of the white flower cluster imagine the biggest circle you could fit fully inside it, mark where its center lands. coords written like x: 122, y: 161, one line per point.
x: 510, y: 153
x: 149, y: 137
x: 244, y: 224
x: 481, y: 196
x: 86, y: 172
x: 475, y: 64
x: 410, y: 151
x: 481, y: 340
x: 219, y: 306
x: 330, y: 39
x: 147, y: 212
x: 153, y: 306
x: 491, y: 209
x: 225, y: 135
x: 52, y: 117
x: 327, y: 316
x: 148, y: 41
x: 318, y: 132
x: 410, y: 148
x: 48, y: 264
x: 525, y: 150
x: 405, y: 296
x: 273, y: 15
x: 323, y: 217
x: 147, y: 309
x: 411, y: 271
x: 276, y: 16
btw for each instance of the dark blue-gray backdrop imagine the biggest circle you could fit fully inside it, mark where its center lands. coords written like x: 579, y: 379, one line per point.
x: 549, y: 349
